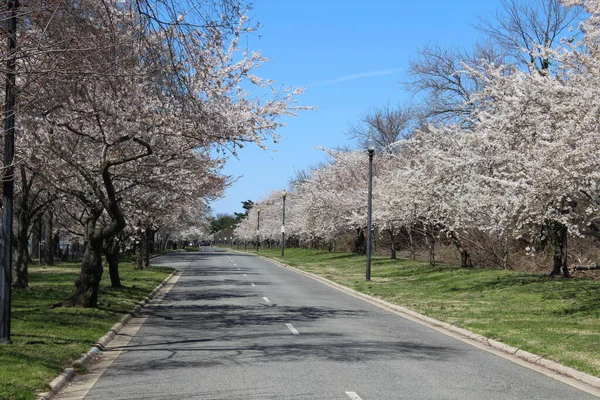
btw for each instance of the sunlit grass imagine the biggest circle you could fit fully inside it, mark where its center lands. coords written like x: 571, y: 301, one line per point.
x: 47, y: 340
x: 555, y: 318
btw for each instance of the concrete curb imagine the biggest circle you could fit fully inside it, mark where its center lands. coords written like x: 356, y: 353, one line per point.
x: 81, y: 363
x: 588, y: 379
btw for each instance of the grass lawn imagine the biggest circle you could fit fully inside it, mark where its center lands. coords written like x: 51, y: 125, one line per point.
x: 45, y: 340
x: 555, y: 318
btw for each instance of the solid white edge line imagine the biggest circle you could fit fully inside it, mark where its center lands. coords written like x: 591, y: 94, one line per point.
x: 353, y: 396
x: 291, y: 328
x: 266, y: 299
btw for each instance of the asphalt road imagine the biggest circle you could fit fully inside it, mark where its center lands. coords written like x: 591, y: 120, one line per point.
x: 235, y: 326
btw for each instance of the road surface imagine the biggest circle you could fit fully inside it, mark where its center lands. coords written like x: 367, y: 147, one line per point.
x: 235, y: 326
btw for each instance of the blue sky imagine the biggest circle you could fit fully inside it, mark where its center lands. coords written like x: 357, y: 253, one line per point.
x: 351, y: 56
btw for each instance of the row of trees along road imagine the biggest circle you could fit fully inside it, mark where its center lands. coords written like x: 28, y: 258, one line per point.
x: 503, y: 147
x: 120, y: 104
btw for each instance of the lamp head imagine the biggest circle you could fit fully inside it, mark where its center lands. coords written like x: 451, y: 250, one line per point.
x: 370, y: 143
x: 284, y: 194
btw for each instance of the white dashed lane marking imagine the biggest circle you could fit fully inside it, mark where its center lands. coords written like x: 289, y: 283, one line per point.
x: 353, y: 396
x: 291, y: 328
x: 266, y: 300
x: 253, y: 284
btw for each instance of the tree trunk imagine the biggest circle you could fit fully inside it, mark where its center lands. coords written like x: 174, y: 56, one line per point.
x: 505, y: 251
x: 411, y: 244
x: 76, y: 250
x: 392, y: 244
x: 465, y: 257
x: 360, y: 244
x: 148, y: 245
x: 430, y: 236
x: 88, y: 281
x: 65, y: 253
x: 151, y: 241
x: 560, y: 251
x: 140, y: 250
x: 56, y: 245
x: 111, y: 252
x: 21, y: 275
x: 35, y: 241
x: 139, y: 264
x: 48, y: 248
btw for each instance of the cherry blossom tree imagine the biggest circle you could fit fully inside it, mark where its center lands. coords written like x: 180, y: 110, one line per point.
x: 143, y: 91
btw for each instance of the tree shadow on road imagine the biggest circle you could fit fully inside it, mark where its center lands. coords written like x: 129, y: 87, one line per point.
x: 201, y: 336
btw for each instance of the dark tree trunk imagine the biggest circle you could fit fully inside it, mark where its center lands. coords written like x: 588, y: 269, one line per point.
x: 48, y: 248
x: 152, y: 241
x: 138, y: 254
x: 28, y: 253
x: 411, y: 244
x: 21, y: 275
x: 76, y: 250
x: 560, y: 250
x: 505, y: 251
x: 430, y: 237
x: 392, y: 244
x: 56, y: 245
x: 35, y: 241
x: 140, y: 250
x: 465, y: 257
x: 65, y: 253
x: 148, y: 246
x: 88, y: 281
x: 111, y: 252
x: 360, y: 244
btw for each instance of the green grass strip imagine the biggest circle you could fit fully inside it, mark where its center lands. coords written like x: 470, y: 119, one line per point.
x: 555, y: 318
x: 46, y: 340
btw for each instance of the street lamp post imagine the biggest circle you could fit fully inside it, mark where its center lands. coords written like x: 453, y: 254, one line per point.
x: 283, y: 195
x: 258, y: 230
x: 370, y: 145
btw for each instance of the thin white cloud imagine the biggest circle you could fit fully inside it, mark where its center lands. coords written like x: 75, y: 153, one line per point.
x: 355, y: 76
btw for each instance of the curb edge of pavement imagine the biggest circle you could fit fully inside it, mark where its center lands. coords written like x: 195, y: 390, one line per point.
x: 61, y: 381
x: 531, y: 358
